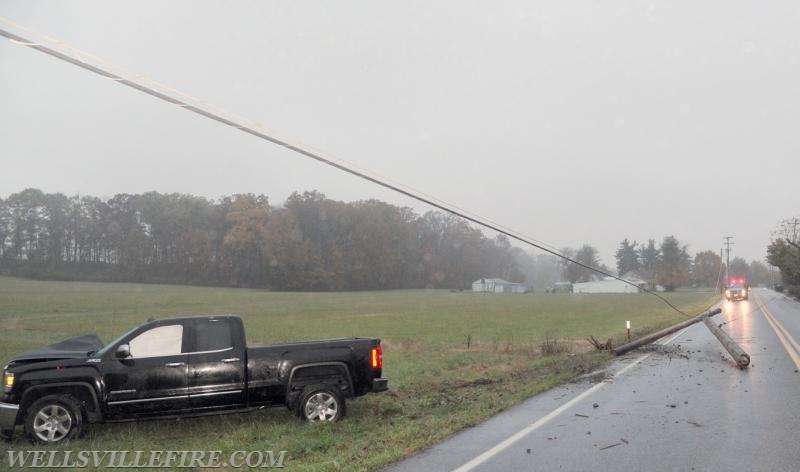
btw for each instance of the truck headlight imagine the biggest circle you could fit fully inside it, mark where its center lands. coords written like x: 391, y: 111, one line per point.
x: 744, y: 292
x: 8, y: 381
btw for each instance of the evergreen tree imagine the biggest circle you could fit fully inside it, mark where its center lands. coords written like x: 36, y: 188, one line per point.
x: 674, y: 263
x: 627, y: 257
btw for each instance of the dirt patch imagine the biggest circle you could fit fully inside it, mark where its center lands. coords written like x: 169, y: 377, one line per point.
x: 594, y: 377
x: 9, y: 324
x: 402, y: 345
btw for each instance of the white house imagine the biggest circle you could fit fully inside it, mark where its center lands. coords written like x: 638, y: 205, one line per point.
x: 611, y: 285
x: 498, y: 286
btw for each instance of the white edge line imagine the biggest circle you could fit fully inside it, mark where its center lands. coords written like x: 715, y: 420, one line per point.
x: 543, y: 420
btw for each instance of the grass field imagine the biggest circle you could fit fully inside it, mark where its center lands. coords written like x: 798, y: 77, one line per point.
x: 438, y: 386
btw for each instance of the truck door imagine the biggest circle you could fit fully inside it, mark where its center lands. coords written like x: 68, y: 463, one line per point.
x: 216, y: 364
x: 153, y: 379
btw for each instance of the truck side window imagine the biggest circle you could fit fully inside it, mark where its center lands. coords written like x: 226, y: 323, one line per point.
x: 213, y: 335
x: 159, y: 341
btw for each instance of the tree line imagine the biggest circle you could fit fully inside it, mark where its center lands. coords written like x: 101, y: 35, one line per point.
x: 667, y: 264
x: 308, y: 243
x: 314, y: 243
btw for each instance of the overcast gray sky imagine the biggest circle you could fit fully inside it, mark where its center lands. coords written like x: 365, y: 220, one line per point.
x: 571, y: 121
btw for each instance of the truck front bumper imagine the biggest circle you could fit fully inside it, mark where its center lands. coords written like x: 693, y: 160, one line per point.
x: 8, y: 416
x: 380, y: 385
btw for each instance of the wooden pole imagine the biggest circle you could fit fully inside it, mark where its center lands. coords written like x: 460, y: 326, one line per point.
x: 618, y: 351
x: 738, y: 354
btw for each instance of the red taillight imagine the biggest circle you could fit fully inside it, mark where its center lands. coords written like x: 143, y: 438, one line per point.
x: 377, y: 358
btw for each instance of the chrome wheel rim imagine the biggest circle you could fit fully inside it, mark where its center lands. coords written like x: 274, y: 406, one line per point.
x: 52, y: 423
x: 321, y: 407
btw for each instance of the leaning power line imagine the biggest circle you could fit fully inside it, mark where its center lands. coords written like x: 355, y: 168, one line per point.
x: 149, y: 87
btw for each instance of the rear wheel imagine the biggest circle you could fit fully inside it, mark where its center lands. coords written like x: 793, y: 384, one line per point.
x: 324, y: 404
x: 54, y: 418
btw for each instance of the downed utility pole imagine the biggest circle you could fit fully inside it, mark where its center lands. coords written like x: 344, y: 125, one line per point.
x: 618, y: 351
x: 738, y: 354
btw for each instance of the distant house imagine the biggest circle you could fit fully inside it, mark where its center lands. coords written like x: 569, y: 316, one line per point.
x: 633, y: 276
x: 498, y: 286
x: 611, y: 285
x: 641, y: 281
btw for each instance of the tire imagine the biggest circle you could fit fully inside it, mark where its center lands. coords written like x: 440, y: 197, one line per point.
x: 321, y: 405
x: 54, y: 419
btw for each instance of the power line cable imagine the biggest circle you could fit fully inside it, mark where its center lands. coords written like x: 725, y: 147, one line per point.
x: 242, y: 125
x: 82, y: 55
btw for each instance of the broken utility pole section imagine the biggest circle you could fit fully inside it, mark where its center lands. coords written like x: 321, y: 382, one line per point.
x: 738, y: 354
x: 618, y: 351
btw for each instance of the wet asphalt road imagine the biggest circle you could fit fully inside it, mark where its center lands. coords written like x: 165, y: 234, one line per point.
x: 683, y: 406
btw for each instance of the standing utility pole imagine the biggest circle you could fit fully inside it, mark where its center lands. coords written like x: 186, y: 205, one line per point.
x: 728, y: 244
x: 794, y: 224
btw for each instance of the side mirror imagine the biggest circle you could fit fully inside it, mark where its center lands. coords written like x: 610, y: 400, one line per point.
x: 123, y: 351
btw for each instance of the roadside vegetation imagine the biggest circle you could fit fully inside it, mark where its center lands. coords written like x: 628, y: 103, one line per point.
x: 784, y: 253
x: 453, y: 359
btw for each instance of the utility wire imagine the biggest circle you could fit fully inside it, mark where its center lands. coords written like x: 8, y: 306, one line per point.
x: 82, y: 55
x: 240, y: 124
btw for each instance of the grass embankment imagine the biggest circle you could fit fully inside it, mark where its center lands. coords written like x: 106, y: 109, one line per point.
x: 438, y: 386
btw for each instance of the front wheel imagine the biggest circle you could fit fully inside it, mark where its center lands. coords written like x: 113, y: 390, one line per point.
x: 323, y: 404
x: 54, y: 418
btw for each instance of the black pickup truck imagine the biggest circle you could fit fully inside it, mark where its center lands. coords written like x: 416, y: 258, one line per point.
x: 181, y: 367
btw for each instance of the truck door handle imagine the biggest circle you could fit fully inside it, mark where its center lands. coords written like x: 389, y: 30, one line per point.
x: 229, y: 360
x: 175, y: 364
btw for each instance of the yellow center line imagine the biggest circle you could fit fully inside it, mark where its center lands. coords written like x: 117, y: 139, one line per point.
x: 781, y: 327
x: 785, y: 338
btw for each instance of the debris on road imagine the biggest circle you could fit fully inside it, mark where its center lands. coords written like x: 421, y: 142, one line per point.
x: 609, y: 447
x: 670, y: 351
